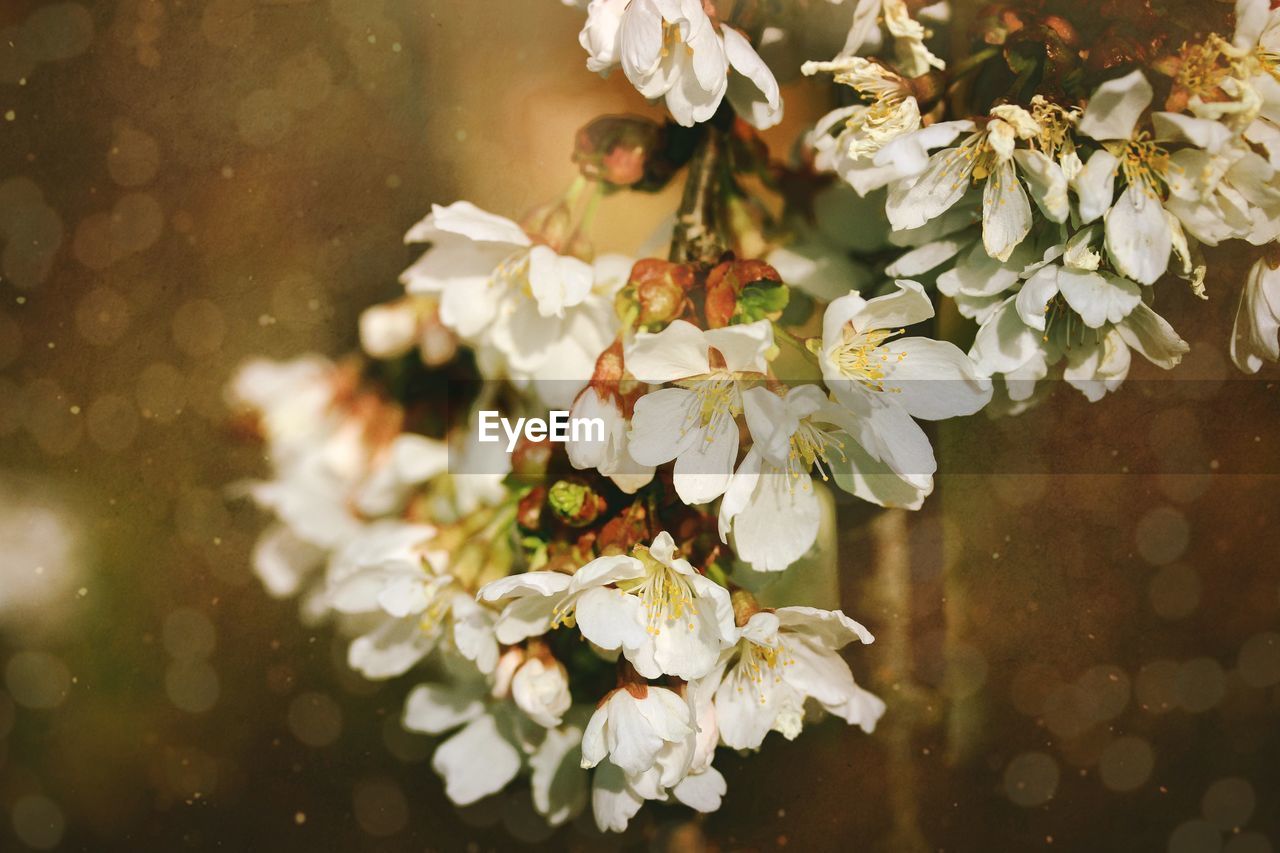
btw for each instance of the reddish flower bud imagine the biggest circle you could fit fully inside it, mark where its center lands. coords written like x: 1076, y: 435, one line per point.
x: 617, y: 149
x: 725, y: 283
x: 530, y: 459
x: 660, y: 290
x: 619, y: 534
x: 529, y: 511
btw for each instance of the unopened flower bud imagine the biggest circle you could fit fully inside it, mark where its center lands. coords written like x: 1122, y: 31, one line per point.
x: 529, y: 510
x: 437, y: 344
x: 540, y: 688
x: 1064, y: 29
x: 617, y: 149
x: 505, y: 671
x: 744, y: 606
x: 576, y: 504
x: 530, y: 459
x: 659, y: 289
x: 389, y: 330
x: 725, y: 283
x: 619, y: 534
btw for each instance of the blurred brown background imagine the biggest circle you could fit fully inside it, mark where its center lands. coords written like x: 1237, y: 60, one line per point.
x: 1076, y: 655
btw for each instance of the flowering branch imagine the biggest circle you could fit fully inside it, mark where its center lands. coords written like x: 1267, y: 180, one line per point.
x: 697, y: 236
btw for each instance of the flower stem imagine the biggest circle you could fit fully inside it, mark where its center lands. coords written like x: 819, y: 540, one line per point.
x: 696, y: 237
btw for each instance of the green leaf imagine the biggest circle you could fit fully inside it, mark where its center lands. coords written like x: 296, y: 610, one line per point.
x: 761, y: 300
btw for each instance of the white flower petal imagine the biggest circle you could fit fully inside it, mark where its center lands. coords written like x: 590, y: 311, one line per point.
x: 739, y: 491
x: 1138, y: 237
x: 662, y: 426
x: 1095, y: 185
x: 1006, y: 213
x: 771, y: 423
x: 283, y: 562
x: 523, y: 585
x: 905, y: 307
x: 1255, y: 337
x: 1212, y: 136
x: 1032, y: 301
x: 1150, y: 334
x: 925, y: 258
x: 702, y: 791
x: 525, y: 618
x: 613, y: 620
x: 391, y: 649
x: 1097, y: 297
x: 818, y: 672
x: 899, y: 441
x: 640, y: 37
x: 746, y: 709
x: 753, y: 91
x: 476, y: 762
x: 934, y: 380
x: 1004, y: 343
x: 703, y: 469
x: 1251, y: 20
x: 863, y: 476
x: 1046, y: 182
x: 1116, y: 106
x: 558, y: 783
x: 976, y: 273
x: 743, y: 346
x: 436, y: 708
x: 677, y: 352
x: 779, y: 524
x: 943, y: 183
x: 464, y: 218
x: 606, y: 570
x: 613, y: 801
x: 557, y: 282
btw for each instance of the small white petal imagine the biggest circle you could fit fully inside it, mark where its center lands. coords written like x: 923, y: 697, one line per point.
x: 476, y: 762
x: 1138, y: 241
x: 1116, y: 106
x: 1098, y: 298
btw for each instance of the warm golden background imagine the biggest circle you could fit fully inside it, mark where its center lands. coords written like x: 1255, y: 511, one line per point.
x: 1075, y: 657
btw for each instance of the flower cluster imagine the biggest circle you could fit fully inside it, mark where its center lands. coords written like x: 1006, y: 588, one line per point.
x: 600, y: 614
x: 1087, y: 173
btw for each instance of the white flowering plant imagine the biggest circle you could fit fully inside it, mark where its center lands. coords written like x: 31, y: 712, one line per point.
x: 599, y: 615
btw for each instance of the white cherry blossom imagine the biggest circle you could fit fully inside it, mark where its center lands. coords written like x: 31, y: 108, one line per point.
x: 694, y: 423
x: 672, y: 49
x: 1256, y: 336
x: 489, y: 747
x: 784, y: 658
x: 847, y: 139
x: 391, y: 576
x: 546, y: 316
x: 603, y: 399
x: 642, y: 729
x: 1140, y: 235
x: 772, y: 505
x: 990, y: 155
x: 886, y: 382
x: 909, y: 35
x: 665, y: 617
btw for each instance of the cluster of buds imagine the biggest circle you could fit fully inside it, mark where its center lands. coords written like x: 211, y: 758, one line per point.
x: 730, y: 292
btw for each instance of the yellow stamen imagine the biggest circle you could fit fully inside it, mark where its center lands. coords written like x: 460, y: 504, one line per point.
x: 862, y: 356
